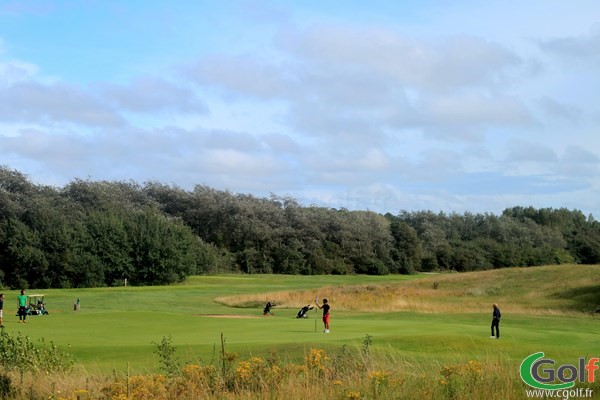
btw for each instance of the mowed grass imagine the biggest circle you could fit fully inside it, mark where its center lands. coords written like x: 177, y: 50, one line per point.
x: 544, y: 309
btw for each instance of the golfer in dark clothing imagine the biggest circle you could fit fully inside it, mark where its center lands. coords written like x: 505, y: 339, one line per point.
x: 496, y: 322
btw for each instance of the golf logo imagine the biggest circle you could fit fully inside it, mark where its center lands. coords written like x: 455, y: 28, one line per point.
x: 539, y: 372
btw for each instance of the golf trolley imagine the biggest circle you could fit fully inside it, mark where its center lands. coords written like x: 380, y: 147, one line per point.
x: 303, y: 311
x: 35, y: 305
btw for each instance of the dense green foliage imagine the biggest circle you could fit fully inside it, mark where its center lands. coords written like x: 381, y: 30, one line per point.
x: 92, y: 234
x: 100, y: 233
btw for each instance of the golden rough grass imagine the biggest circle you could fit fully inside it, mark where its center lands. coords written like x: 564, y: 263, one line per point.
x: 534, y: 290
x: 322, y: 376
x: 350, y: 374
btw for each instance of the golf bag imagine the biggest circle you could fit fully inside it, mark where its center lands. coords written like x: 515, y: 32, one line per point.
x: 303, y: 311
x: 267, y: 309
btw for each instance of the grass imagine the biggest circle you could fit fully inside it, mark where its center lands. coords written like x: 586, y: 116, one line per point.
x: 116, y: 326
x: 561, y: 290
x: 421, y: 324
x: 119, y: 325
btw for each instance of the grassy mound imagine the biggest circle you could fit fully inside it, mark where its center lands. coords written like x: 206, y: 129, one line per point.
x: 564, y: 290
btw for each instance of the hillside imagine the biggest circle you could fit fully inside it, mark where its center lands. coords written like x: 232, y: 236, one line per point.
x: 562, y: 289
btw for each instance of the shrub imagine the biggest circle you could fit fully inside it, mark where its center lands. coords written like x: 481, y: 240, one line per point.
x: 166, y: 353
x: 19, y: 353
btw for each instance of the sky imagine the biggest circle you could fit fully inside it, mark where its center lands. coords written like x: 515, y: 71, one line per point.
x: 447, y: 106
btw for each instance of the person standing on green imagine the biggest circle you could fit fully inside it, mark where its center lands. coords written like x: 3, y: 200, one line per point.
x: 22, y: 304
x: 1, y: 307
x: 325, y: 307
x: 496, y: 321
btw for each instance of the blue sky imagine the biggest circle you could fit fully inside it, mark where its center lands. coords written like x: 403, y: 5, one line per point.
x: 440, y: 105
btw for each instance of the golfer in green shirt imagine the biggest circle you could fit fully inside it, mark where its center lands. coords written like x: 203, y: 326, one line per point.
x: 22, y: 304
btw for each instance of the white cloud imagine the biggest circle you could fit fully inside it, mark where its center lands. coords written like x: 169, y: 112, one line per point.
x: 579, y: 163
x: 352, y: 82
x: 584, y: 47
x: 449, y: 110
x: 553, y: 108
x: 528, y: 151
x: 457, y: 61
x: 147, y: 94
x: 474, y: 110
x: 15, y: 71
x: 373, y: 160
x: 229, y: 140
x: 38, y: 103
x: 241, y: 76
x: 281, y: 143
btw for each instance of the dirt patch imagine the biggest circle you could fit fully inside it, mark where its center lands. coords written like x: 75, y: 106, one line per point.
x: 227, y: 316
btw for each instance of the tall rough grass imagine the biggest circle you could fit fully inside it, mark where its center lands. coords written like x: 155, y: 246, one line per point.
x: 348, y: 373
x: 551, y: 290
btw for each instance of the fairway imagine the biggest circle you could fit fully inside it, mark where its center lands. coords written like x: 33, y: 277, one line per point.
x: 118, y: 328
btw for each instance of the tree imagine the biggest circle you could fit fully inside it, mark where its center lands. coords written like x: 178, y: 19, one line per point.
x: 408, y: 249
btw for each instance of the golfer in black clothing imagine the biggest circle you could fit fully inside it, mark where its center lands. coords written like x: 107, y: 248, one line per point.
x: 496, y: 322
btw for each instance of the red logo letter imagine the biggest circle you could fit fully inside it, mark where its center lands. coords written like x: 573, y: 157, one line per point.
x: 591, y: 367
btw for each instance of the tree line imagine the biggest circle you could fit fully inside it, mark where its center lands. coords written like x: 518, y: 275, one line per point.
x: 99, y: 233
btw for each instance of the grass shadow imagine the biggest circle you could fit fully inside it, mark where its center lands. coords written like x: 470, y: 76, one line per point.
x: 585, y: 299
